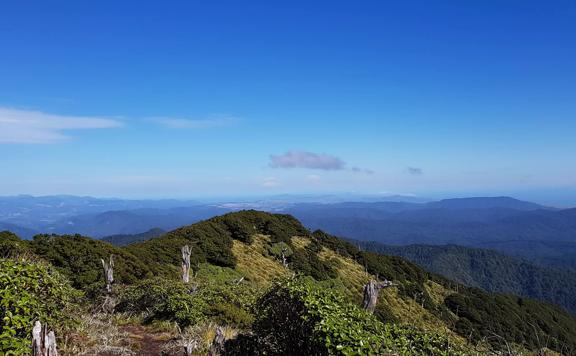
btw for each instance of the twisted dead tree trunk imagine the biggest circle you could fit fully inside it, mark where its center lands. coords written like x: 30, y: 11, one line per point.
x: 43, y: 341
x: 283, y: 254
x: 108, y: 273
x: 371, y: 291
x: 189, y: 348
x: 186, y: 252
x: 217, y: 346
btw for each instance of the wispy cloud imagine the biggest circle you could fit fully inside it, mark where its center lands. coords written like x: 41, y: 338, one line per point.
x: 271, y: 182
x: 311, y: 160
x: 362, y: 170
x: 414, y: 171
x: 303, y: 159
x: 35, y: 127
x: 181, y: 123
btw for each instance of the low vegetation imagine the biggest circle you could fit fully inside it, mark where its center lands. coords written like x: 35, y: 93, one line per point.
x: 264, y: 284
x: 29, y: 292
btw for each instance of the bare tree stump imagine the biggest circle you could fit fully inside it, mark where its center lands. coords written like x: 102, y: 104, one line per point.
x: 283, y: 254
x: 108, y: 273
x: 217, y: 346
x: 186, y: 252
x: 371, y: 291
x: 43, y: 341
x: 189, y: 348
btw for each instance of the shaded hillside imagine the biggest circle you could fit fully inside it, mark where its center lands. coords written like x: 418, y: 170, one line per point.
x: 491, y: 271
x: 123, y: 240
x: 236, y: 261
x: 518, y: 228
x: 18, y: 230
x: 485, y: 203
x: 127, y: 222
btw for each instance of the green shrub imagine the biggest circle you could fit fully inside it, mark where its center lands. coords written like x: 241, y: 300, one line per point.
x: 30, y: 292
x: 11, y: 245
x: 213, y: 294
x: 276, y: 250
x: 163, y: 299
x: 78, y: 258
x: 300, y: 317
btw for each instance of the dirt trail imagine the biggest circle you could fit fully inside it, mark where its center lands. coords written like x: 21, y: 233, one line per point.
x: 150, y: 343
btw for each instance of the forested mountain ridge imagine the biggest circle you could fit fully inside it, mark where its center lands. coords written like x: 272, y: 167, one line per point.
x: 127, y: 239
x: 544, y: 235
x: 489, y: 270
x: 243, y: 279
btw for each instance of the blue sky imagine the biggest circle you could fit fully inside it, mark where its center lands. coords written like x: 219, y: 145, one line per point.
x: 173, y: 99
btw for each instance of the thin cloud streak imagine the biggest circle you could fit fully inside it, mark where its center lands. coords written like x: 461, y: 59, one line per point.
x: 180, y: 123
x: 35, y: 127
x: 414, y: 171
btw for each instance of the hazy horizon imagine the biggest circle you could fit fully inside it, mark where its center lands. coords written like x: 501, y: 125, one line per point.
x: 327, y: 197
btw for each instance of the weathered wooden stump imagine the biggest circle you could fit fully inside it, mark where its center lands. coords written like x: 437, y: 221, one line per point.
x: 189, y: 348
x: 186, y: 252
x: 43, y: 341
x: 284, y: 260
x: 108, y: 273
x: 217, y: 346
x: 371, y: 292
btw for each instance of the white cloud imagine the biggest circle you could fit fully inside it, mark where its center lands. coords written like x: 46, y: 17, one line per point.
x: 271, y: 182
x: 304, y: 159
x: 35, y: 127
x: 313, y: 178
x: 179, y: 123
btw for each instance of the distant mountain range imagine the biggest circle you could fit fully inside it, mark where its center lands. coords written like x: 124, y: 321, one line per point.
x: 518, y: 228
x: 489, y: 270
x: 512, y: 226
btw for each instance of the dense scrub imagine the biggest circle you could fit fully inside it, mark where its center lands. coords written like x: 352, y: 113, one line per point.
x: 31, y: 291
x: 214, y: 294
x: 211, y: 240
x: 300, y: 317
x: 499, y: 317
x: 11, y: 245
x: 491, y: 271
x: 78, y: 258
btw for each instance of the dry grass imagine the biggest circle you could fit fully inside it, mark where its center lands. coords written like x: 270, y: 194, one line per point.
x: 252, y: 262
x: 199, y: 338
x: 99, y: 334
x: 437, y: 292
x: 350, y: 272
x: 117, y: 334
x: 300, y: 242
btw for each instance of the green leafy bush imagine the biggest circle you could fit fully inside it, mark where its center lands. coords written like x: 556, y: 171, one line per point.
x: 11, y: 245
x: 162, y: 299
x: 29, y: 292
x: 78, y: 258
x: 213, y: 294
x: 300, y: 317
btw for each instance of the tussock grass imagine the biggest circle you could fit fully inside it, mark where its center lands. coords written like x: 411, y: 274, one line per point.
x: 199, y: 337
x: 350, y: 272
x: 300, y: 242
x: 99, y: 334
x: 252, y: 262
